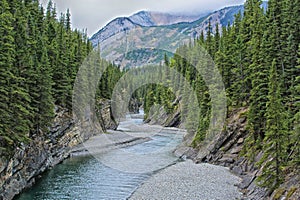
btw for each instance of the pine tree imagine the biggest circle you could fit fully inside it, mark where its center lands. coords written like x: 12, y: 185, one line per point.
x: 217, y: 39
x: 20, y: 103
x: 273, y: 35
x: 62, y: 87
x: 290, y: 37
x: 259, y: 75
x: 295, y: 142
x: 209, y: 40
x: 192, y: 115
x: 44, y: 99
x: 201, y: 39
x: 51, y: 31
x: 14, y: 124
x: 276, y: 134
x: 6, y: 64
x: 239, y: 89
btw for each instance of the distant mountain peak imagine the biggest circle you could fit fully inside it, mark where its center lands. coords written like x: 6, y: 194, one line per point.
x: 142, y: 37
x: 154, y: 18
x: 142, y: 18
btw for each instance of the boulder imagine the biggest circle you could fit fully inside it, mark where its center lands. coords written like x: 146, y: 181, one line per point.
x: 240, y: 141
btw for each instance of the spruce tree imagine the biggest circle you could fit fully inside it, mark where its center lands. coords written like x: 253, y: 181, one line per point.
x: 239, y: 75
x: 275, y: 142
x: 23, y: 70
x: 217, y: 39
x: 6, y: 63
x: 44, y: 99
x: 14, y: 124
x: 259, y: 74
x: 62, y: 87
x: 209, y: 40
x: 295, y: 142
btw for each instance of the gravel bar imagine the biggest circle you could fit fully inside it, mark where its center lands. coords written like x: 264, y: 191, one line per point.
x: 187, y: 180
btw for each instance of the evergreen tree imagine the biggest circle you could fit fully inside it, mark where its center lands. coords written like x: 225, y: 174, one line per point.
x: 15, y: 104
x: 209, y: 40
x: 45, y: 101
x: 276, y: 134
x: 6, y: 63
x: 62, y: 87
x: 259, y: 74
x: 217, y: 39
x: 20, y: 99
x: 295, y: 142
x: 239, y: 88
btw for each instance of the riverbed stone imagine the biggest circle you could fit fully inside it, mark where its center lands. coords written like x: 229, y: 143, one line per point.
x: 187, y: 180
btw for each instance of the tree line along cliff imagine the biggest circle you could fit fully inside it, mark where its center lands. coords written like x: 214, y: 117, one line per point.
x: 259, y: 60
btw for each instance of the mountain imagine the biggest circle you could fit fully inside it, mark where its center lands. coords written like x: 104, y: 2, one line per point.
x: 145, y: 37
x: 148, y: 18
x: 140, y: 19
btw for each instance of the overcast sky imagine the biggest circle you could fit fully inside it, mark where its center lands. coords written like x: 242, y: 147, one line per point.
x: 94, y: 14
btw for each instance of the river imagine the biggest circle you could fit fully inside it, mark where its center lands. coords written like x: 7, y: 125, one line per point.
x: 96, y: 178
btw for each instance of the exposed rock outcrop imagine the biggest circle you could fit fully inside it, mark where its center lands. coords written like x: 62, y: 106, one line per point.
x: 159, y: 116
x: 105, y: 115
x: 45, y: 151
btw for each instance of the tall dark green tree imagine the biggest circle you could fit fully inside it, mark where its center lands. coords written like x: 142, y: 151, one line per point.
x: 6, y: 63
x: 275, y: 142
x: 62, y: 87
x: 14, y: 124
x: 209, y: 40
x: 295, y: 142
x: 259, y: 74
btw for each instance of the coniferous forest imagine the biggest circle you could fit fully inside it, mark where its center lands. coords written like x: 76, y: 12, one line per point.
x: 40, y: 56
x: 259, y: 60
x: 258, y: 57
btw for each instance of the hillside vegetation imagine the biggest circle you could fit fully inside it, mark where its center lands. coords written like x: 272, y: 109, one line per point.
x: 258, y: 58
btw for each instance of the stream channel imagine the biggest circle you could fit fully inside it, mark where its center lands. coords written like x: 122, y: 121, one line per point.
x: 95, y: 177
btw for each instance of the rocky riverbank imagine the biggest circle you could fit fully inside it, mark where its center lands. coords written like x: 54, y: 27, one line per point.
x: 226, y: 149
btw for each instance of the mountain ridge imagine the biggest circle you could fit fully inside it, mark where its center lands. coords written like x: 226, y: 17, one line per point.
x: 150, y: 19
x: 153, y: 30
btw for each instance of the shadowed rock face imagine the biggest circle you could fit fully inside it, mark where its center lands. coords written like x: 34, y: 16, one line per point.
x: 47, y: 150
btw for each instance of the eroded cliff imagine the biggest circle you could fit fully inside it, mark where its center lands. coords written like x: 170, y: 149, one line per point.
x: 47, y: 150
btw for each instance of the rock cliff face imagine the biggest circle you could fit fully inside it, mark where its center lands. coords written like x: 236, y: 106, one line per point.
x: 105, y: 116
x: 159, y: 116
x: 227, y: 149
x: 43, y: 152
